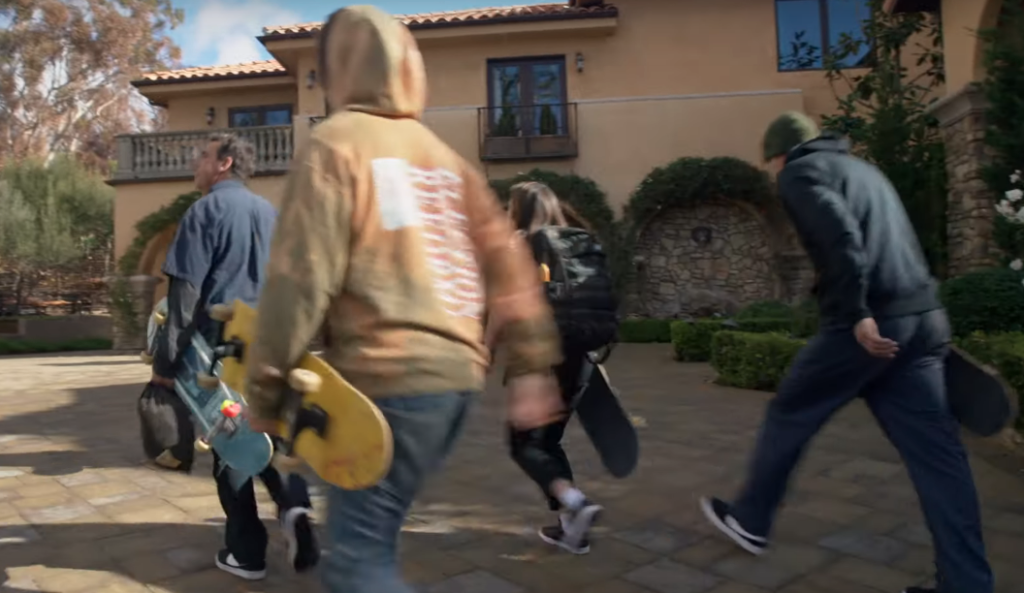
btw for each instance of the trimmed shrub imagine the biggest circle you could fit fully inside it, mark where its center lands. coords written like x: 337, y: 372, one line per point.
x: 36, y: 347
x: 805, y: 321
x: 767, y: 310
x: 988, y: 301
x: 645, y: 331
x: 752, y: 361
x: 761, y: 325
x: 691, y: 340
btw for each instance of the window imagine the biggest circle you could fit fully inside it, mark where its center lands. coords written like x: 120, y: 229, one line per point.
x: 526, y: 97
x: 263, y: 115
x: 809, y: 30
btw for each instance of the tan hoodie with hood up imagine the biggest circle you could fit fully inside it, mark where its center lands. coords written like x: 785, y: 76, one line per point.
x: 391, y: 240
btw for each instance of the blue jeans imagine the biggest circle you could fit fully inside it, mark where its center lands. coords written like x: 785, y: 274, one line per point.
x: 907, y: 396
x: 363, y: 525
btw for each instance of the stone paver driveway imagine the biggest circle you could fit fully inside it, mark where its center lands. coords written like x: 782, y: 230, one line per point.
x: 79, y: 512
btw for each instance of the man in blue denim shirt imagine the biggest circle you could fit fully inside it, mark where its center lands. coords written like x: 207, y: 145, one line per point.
x: 218, y: 255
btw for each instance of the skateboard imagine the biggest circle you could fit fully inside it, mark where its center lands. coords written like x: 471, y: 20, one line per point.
x: 216, y: 409
x: 609, y: 427
x: 329, y: 425
x: 978, y: 396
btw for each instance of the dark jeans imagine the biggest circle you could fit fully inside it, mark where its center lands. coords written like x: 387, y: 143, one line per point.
x: 907, y: 396
x: 539, y: 451
x: 363, y: 525
x: 245, y: 536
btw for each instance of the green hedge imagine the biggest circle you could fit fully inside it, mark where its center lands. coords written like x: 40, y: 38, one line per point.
x: 751, y: 360
x: 987, y: 301
x: 691, y: 340
x: 35, y: 347
x: 645, y: 331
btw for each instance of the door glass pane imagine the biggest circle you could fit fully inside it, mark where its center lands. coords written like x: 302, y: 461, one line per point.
x: 548, y: 110
x: 847, y: 17
x: 244, y: 119
x: 506, y: 92
x: 800, y: 36
x: 277, y: 117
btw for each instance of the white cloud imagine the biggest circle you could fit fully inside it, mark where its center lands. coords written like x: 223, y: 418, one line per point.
x: 227, y: 31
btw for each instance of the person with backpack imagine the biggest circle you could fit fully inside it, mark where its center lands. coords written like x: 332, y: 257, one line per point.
x: 580, y: 290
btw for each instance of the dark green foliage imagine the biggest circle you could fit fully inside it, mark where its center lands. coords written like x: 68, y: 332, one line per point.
x: 987, y: 300
x: 767, y: 310
x: 884, y: 113
x: 645, y: 331
x: 753, y: 361
x: 35, y: 347
x: 1003, y: 88
x: 548, y: 125
x: 152, y: 225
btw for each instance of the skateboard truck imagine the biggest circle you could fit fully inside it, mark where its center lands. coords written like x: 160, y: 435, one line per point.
x: 227, y: 422
x: 300, y: 417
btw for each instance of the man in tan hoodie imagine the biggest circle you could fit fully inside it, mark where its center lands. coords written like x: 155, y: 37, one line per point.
x: 398, y: 245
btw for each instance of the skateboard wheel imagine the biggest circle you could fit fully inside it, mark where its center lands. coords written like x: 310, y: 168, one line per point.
x: 231, y: 410
x: 159, y: 318
x: 202, y: 446
x: 285, y: 463
x: 222, y: 313
x: 304, y: 381
x: 207, y: 381
x: 146, y: 357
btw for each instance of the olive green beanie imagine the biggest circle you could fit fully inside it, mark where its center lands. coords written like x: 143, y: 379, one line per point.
x: 789, y: 130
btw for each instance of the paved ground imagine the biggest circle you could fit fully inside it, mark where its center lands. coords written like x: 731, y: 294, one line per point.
x: 78, y: 511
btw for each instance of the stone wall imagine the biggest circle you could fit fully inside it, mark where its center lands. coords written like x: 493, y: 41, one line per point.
x: 971, y: 209
x: 711, y: 257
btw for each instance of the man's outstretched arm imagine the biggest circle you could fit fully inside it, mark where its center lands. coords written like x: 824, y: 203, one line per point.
x: 308, y: 259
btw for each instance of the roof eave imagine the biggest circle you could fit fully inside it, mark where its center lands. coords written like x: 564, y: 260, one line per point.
x: 147, y: 82
x: 607, y: 12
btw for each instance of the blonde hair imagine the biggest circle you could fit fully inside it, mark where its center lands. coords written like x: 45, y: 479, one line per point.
x: 532, y: 205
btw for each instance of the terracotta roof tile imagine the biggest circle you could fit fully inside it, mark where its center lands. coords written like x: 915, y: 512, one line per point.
x: 262, y: 68
x: 467, y: 17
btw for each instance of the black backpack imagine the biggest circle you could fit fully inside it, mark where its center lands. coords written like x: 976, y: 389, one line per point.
x: 580, y: 289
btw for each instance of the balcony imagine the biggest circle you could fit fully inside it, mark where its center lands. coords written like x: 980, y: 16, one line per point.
x: 527, y: 132
x: 166, y: 156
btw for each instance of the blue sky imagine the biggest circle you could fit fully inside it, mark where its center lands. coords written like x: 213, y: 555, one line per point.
x: 224, y: 31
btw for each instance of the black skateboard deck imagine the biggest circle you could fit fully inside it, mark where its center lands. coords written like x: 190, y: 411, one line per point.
x: 608, y: 426
x: 978, y: 396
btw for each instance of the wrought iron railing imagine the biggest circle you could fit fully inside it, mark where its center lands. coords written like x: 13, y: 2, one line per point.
x: 169, y: 155
x: 522, y: 132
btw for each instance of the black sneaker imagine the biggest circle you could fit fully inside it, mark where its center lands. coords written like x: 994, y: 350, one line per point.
x: 303, y: 551
x: 250, y: 572
x: 573, y: 531
x: 717, y: 512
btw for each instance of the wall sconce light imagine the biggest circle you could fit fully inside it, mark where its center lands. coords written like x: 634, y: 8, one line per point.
x: 579, y: 62
x: 210, y: 113
x: 311, y: 79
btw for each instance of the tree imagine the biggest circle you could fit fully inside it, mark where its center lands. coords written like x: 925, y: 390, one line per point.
x: 884, y: 112
x: 65, y: 73
x: 56, y: 219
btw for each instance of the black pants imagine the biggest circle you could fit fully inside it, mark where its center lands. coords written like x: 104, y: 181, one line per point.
x: 539, y: 451
x: 245, y: 536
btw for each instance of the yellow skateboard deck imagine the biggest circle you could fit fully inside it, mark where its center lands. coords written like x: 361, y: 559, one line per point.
x: 349, y: 442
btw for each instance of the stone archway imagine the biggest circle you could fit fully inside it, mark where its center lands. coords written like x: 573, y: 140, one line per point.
x: 711, y: 256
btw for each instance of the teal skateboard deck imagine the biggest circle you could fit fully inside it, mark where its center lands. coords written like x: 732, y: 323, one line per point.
x: 216, y: 409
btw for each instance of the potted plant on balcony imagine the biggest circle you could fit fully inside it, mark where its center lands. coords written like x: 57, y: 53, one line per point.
x: 506, y: 125
x: 548, y: 125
